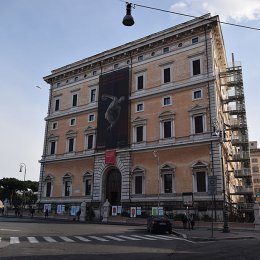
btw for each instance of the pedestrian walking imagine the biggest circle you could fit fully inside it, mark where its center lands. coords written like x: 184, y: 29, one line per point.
x: 184, y: 220
x: 78, y: 214
x: 191, y: 221
x: 46, y: 213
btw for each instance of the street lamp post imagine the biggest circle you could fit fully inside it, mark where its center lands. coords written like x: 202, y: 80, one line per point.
x: 23, y: 166
x: 156, y: 155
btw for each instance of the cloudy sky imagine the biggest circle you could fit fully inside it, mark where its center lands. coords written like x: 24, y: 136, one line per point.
x: 37, y: 36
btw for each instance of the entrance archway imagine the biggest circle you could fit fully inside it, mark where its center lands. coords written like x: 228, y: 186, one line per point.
x: 113, y: 186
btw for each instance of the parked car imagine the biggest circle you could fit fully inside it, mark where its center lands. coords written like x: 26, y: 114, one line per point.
x: 159, y: 224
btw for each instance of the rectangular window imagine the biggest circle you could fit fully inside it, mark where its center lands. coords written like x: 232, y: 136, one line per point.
x: 167, y: 75
x: 71, y: 145
x: 194, y: 40
x: 140, y: 82
x: 53, y: 146
x: 139, y: 134
x: 91, y: 118
x: 197, y: 94
x: 198, y: 124
x: 67, y: 188
x: 54, y: 125
x: 167, y: 101
x: 201, y: 181
x: 196, y: 67
x: 72, y: 121
x: 93, y: 92
x: 90, y: 141
x: 167, y: 129
x: 140, y: 58
x: 88, y: 187
x: 74, y: 100
x: 57, y: 105
x: 166, y: 49
x: 167, y: 183
x: 138, y: 184
x: 48, y: 189
x: 140, y: 107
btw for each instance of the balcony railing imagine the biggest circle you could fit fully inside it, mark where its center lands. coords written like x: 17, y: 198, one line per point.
x: 242, y: 156
x: 245, y: 206
x: 243, y: 190
x: 245, y: 172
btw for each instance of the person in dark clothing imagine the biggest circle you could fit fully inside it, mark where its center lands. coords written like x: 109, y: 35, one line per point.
x: 46, y: 213
x: 78, y: 214
x: 184, y: 220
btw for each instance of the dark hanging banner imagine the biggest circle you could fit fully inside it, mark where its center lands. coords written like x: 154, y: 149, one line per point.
x: 112, y: 124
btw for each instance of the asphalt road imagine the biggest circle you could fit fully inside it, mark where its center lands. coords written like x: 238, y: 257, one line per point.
x: 25, y: 240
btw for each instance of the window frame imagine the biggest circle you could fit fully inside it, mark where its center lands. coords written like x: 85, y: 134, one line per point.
x: 192, y: 60
x: 56, y: 104
x: 138, y: 172
x: 137, y: 76
x: 139, y: 107
x: 194, y: 94
x: 166, y: 67
x: 72, y: 121
x: 90, y: 119
x: 75, y: 97
x: 164, y: 103
x: 93, y: 97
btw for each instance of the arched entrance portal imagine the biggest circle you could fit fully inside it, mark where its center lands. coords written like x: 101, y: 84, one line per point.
x: 113, y: 186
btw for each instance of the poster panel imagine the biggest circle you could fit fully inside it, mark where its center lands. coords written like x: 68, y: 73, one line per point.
x: 112, y: 123
x: 133, y: 212
x: 114, y: 210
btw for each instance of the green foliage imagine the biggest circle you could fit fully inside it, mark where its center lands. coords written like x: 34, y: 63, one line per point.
x: 17, y: 191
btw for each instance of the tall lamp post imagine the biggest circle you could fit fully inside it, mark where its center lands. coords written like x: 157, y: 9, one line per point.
x: 156, y: 155
x: 23, y: 166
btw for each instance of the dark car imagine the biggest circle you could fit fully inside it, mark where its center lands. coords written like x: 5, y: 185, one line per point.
x: 159, y: 224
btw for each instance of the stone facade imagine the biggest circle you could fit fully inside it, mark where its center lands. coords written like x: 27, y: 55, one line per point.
x: 174, y: 101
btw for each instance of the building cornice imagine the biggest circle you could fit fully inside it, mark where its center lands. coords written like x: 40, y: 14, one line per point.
x: 136, y: 47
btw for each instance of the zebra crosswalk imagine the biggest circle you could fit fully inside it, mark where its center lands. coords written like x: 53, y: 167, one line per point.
x: 87, y: 239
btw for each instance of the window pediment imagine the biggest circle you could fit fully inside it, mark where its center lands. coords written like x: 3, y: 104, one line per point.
x: 139, y: 121
x: 199, y: 165
x: 89, y: 129
x: 71, y: 133
x: 198, y: 108
x: 138, y: 170
x: 167, y: 168
x: 167, y: 114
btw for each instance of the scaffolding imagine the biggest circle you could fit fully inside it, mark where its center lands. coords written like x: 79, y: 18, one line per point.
x: 233, y: 104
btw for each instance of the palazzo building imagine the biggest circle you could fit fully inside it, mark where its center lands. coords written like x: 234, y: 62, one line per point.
x: 147, y: 123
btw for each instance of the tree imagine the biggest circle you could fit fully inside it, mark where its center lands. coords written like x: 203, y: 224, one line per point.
x: 10, y: 187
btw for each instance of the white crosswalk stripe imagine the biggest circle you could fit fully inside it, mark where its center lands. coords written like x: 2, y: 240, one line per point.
x: 143, y: 237
x: 14, y: 240
x: 32, y: 240
x: 159, y: 237
x: 49, y: 239
x: 129, y: 238
x: 99, y: 238
x: 66, y: 239
x: 114, y: 238
x: 82, y: 238
x: 106, y: 238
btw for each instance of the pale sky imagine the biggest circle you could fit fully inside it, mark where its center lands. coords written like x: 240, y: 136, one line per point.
x: 37, y: 36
